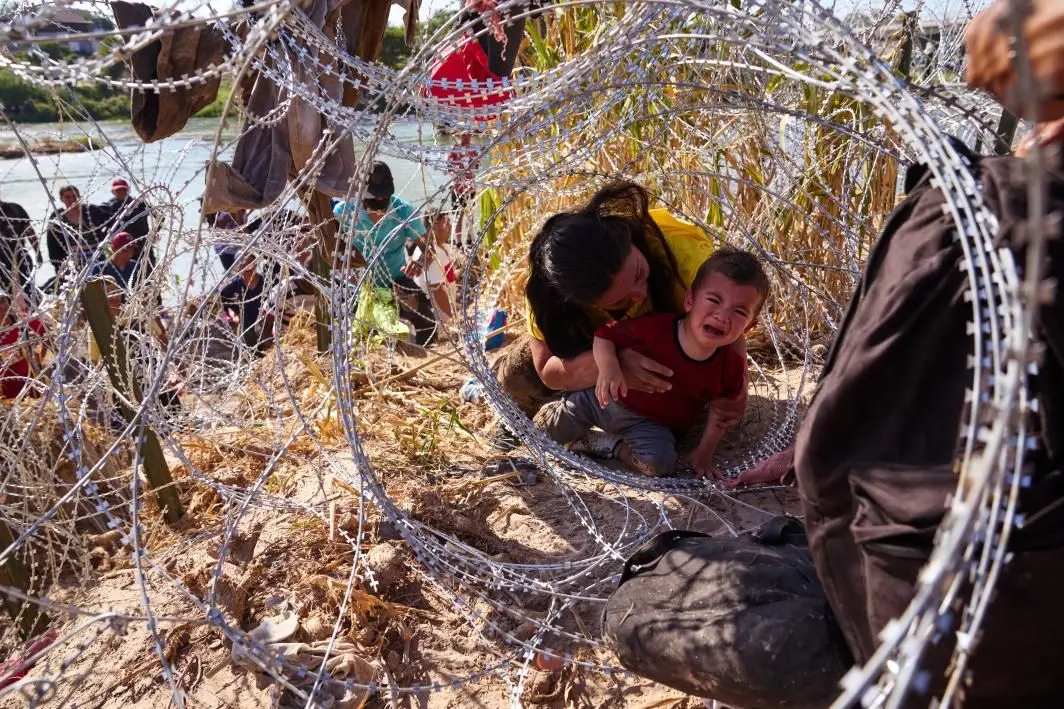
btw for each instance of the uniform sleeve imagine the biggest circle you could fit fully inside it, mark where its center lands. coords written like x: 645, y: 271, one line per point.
x: 37, y: 326
x: 734, y: 376
x: 622, y: 333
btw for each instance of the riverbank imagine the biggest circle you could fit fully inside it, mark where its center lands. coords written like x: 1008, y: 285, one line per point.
x: 48, y: 146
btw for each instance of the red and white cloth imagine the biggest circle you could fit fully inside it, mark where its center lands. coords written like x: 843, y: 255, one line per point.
x: 14, y: 367
x: 440, y: 269
x: 462, y: 78
x: 462, y: 163
x: 16, y: 666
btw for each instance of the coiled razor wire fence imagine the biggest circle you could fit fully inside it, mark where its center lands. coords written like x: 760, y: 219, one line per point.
x: 327, y: 475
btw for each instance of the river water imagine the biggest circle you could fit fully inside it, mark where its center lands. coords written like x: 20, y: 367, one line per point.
x: 173, y: 169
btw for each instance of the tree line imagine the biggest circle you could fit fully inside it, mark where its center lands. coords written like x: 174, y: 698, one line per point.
x: 28, y: 103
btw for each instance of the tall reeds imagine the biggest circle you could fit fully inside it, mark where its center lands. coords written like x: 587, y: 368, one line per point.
x: 801, y: 172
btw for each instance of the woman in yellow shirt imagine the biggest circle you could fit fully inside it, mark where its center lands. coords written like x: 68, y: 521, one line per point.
x: 614, y: 258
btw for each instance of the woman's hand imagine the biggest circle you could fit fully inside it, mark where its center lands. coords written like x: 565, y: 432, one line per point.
x: 990, y: 65
x: 641, y: 373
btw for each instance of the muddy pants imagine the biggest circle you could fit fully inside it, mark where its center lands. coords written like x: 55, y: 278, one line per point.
x: 652, y: 446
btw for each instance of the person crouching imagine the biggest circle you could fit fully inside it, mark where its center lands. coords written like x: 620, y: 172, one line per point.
x: 723, y: 303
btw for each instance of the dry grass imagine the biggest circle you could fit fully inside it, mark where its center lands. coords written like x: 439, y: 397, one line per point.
x: 812, y: 202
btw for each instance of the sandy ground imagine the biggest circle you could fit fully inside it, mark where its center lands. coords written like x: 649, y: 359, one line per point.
x: 292, y: 553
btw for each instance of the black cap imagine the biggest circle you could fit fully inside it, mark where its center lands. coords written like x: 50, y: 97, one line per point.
x: 380, y: 183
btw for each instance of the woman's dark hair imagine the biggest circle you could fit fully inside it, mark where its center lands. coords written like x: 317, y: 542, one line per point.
x: 69, y: 188
x: 576, y: 255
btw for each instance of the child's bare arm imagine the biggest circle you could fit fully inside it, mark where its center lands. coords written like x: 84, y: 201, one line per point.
x: 702, y: 456
x: 610, y: 382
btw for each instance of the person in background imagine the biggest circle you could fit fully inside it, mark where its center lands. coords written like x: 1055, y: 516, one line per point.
x: 381, y: 224
x: 16, y: 263
x: 16, y: 343
x: 130, y: 214
x: 292, y: 291
x: 127, y: 213
x: 232, y: 222
x: 122, y: 266
x: 434, y: 271
x: 462, y: 163
x: 242, y: 299
x: 76, y: 230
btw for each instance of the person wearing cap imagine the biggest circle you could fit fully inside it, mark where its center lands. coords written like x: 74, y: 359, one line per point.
x: 16, y: 340
x: 381, y: 225
x: 122, y: 266
x: 127, y: 214
x: 130, y: 215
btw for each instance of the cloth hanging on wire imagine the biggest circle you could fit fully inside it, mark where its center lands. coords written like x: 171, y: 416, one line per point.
x: 474, y: 73
x: 268, y: 152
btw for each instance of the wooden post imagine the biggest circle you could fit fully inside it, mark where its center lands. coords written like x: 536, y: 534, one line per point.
x: 113, y: 351
x: 32, y: 621
x: 321, y: 217
x: 1005, y: 132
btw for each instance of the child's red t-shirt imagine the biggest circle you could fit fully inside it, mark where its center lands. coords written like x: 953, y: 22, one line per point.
x: 13, y: 376
x: 694, y: 383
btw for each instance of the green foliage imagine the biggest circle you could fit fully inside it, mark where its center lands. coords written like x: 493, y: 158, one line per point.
x: 438, y: 20
x: 57, y: 52
x: 28, y: 103
x: 214, y: 110
x: 14, y: 91
x: 395, y: 53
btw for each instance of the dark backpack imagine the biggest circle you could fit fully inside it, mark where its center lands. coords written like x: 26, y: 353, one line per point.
x: 741, y: 620
x: 874, y: 456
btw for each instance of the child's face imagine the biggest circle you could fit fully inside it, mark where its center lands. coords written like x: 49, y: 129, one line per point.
x: 720, y: 311
x: 442, y: 230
